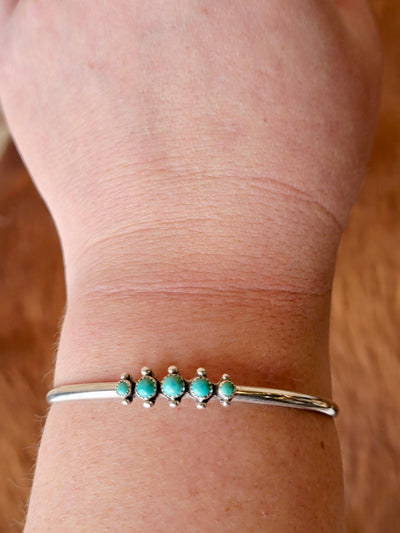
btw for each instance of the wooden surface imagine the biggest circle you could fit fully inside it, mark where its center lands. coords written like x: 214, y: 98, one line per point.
x: 365, y: 327
x: 365, y: 336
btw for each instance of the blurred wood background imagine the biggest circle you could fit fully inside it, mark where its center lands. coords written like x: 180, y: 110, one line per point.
x: 365, y: 332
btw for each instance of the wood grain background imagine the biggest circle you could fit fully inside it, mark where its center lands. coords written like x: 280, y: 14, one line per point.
x: 365, y: 332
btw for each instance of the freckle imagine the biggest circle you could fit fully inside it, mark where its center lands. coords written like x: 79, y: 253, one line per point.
x: 90, y: 65
x: 205, y: 11
x: 322, y: 443
x: 227, y: 509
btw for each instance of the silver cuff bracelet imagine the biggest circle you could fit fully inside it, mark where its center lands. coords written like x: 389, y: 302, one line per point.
x: 173, y: 387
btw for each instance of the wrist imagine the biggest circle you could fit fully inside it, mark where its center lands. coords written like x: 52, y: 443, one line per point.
x: 264, y: 339
x: 226, y: 282
x: 194, y: 234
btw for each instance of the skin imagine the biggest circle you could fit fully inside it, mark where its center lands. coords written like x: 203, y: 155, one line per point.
x: 200, y: 160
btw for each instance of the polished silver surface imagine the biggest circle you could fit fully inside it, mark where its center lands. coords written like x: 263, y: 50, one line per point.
x: 83, y: 391
x: 285, y: 399
x: 242, y: 393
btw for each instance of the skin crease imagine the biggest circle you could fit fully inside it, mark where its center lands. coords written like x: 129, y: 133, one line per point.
x: 200, y: 160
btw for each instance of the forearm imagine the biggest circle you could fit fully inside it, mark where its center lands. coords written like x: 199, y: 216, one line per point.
x: 230, y: 274
x: 247, y: 467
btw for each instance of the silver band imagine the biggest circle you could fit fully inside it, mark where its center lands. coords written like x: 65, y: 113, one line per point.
x: 200, y: 389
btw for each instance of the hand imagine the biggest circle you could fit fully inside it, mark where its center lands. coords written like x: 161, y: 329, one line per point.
x: 221, y: 143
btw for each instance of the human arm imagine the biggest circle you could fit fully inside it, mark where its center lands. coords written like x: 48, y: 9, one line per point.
x: 200, y: 162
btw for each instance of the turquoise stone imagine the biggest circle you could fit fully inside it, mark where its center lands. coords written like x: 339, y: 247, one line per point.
x: 226, y: 389
x: 172, y: 386
x: 123, y: 388
x: 145, y: 388
x: 200, y: 388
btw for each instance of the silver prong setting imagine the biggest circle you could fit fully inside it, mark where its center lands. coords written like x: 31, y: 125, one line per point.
x: 173, y: 387
x: 225, y: 390
x: 124, y: 388
x: 147, y: 387
x: 201, y: 389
